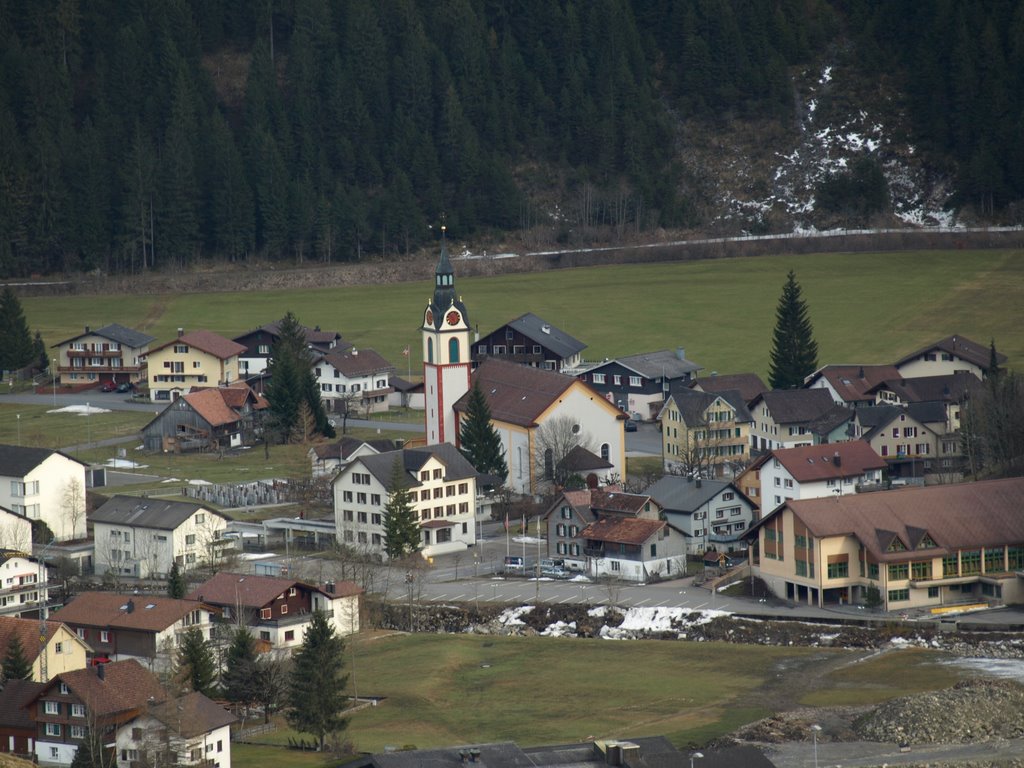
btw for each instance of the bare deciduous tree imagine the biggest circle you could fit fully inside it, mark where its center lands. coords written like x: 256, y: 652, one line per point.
x: 552, y: 442
x: 72, y: 503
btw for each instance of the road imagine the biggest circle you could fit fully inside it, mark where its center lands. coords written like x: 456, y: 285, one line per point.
x: 865, y: 754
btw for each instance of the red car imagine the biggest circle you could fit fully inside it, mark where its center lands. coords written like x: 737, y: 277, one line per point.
x: 109, y: 386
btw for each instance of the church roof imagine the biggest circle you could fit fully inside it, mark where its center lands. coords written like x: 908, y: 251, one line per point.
x: 445, y: 296
x: 516, y: 394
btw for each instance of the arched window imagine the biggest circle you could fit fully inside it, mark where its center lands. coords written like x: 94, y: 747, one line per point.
x: 605, y: 451
x: 453, y: 350
x: 430, y: 350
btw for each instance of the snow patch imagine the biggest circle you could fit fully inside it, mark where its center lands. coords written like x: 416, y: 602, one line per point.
x: 80, y: 410
x: 124, y: 464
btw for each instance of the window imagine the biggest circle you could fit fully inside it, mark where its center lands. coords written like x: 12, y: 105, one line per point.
x: 78, y: 710
x: 438, y: 474
x: 81, y: 633
x: 58, y: 648
x: 104, y: 636
x: 77, y: 731
x: 284, y: 608
x: 361, y: 517
x: 375, y: 499
x: 566, y: 513
x: 801, y: 567
x: 970, y: 562
x: 52, y: 729
x: 921, y: 570
x: 993, y: 560
x: 190, y: 540
x: 360, y: 498
x: 291, y: 592
x: 897, y: 595
x: 346, y: 496
x: 264, y: 613
x: 375, y: 518
x: 598, y: 378
x: 899, y: 571
x: 54, y: 753
x: 615, y: 563
x: 51, y: 708
x: 634, y: 381
x: 839, y: 570
x: 950, y: 566
x: 617, y: 381
x: 129, y: 755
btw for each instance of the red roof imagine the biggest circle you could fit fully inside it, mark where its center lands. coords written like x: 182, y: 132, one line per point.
x: 810, y: 463
x: 137, y: 612
x: 256, y: 591
x: 852, y: 382
x: 125, y: 689
x: 206, y: 341
x: 625, y: 530
x: 26, y: 630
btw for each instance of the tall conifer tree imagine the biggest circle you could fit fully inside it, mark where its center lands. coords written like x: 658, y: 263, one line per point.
x: 480, y: 442
x: 16, y: 666
x: 317, y: 697
x: 196, y: 668
x: 794, y: 353
x: 401, y: 532
x: 16, y: 348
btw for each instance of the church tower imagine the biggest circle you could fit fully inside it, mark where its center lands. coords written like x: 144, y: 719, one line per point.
x: 446, y: 353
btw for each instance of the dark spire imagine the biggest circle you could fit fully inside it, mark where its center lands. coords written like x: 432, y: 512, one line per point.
x: 444, y: 278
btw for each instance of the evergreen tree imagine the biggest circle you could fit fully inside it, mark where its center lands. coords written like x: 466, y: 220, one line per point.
x: 195, y: 668
x: 16, y: 349
x: 479, y: 440
x: 16, y: 666
x: 794, y: 353
x: 176, y: 587
x: 91, y: 752
x: 238, y: 679
x: 292, y: 382
x: 42, y: 359
x: 317, y: 697
x: 401, y: 531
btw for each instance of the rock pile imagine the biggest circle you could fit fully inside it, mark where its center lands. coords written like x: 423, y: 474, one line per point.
x: 971, y: 711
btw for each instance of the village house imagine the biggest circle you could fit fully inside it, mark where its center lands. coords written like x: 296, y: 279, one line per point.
x: 190, y: 730
x: 530, y: 340
x: 15, y: 531
x: 354, y: 381
x: 259, y: 346
x: 17, y: 728
x: 146, y: 628
x: 638, y: 384
x: 45, y: 485
x: 951, y: 390
x: 907, y: 440
x: 710, y: 514
x: 634, y: 549
x: 783, y: 418
x: 910, y: 548
x: 24, y: 586
x: 443, y: 490
x: 749, y: 385
x: 704, y: 434
x: 63, y: 650
x: 953, y: 354
x: 851, y: 385
x: 215, y: 418
x: 141, y: 537
x: 193, y: 359
x: 278, y: 610
x: 112, y: 353
x: 327, y: 458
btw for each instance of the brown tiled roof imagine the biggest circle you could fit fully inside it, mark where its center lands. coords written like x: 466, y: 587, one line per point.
x: 578, y: 500
x: 106, y: 609
x: 922, y: 389
x: 796, y: 406
x: 15, y: 694
x: 625, y: 503
x: 810, y: 463
x: 256, y: 591
x: 126, y: 689
x: 622, y: 530
x: 517, y: 394
x: 579, y: 459
x: 963, y: 516
x: 358, y: 362
x: 207, y: 341
x: 192, y: 714
x: 211, y: 405
x: 962, y: 347
x: 853, y: 382
x: 749, y: 385
x: 26, y: 630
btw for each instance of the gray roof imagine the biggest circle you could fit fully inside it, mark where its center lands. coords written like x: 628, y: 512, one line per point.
x: 665, y: 363
x: 141, y: 512
x: 693, y: 403
x: 555, y: 339
x: 381, y: 464
x: 127, y: 337
x: 18, y: 460
x: 681, y: 494
x: 796, y: 406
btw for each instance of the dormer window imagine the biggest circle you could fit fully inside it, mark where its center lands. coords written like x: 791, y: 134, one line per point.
x: 927, y: 542
x: 896, y: 546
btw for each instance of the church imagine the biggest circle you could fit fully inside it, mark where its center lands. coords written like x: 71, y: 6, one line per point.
x: 540, y: 415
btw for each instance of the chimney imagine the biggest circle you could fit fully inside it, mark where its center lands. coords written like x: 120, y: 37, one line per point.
x: 181, y: 332
x: 836, y: 459
x: 681, y: 353
x: 100, y: 671
x: 329, y: 587
x: 861, y: 374
x: 129, y: 606
x: 87, y: 329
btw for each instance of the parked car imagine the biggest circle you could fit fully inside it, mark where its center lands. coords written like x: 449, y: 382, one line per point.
x: 108, y: 386
x: 630, y: 425
x: 514, y: 564
x: 554, y: 572
x: 124, y: 386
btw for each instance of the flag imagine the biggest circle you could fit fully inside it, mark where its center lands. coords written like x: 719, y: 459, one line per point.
x: 405, y: 352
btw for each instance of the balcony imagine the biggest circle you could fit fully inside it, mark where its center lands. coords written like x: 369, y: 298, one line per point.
x: 524, y: 358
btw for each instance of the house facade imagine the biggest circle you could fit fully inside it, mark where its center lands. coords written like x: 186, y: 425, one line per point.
x: 953, y: 354
x: 531, y: 408
x: 634, y: 549
x: 530, y: 340
x: 23, y: 583
x: 63, y: 650
x: 710, y: 514
x: 141, y: 537
x: 909, y: 447
x: 46, y: 485
x: 783, y: 418
x: 191, y: 730
x: 851, y: 385
x: 749, y: 385
x: 259, y: 346
x: 15, y: 531
x: 278, y: 610
x: 207, y: 420
x: 353, y: 380
x: 193, y: 359
x: 818, y: 471
x: 910, y: 548
x: 639, y: 384
x: 704, y: 433
x: 327, y: 459
x: 146, y: 628
x: 111, y: 353
x: 443, y: 490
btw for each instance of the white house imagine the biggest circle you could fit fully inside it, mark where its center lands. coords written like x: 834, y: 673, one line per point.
x: 785, y: 418
x: 23, y: 584
x: 817, y: 471
x: 953, y: 354
x: 15, y: 531
x: 141, y: 537
x: 711, y: 514
x: 442, y: 485
x: 46, y: 485
x: 353, y: 379
x: 192, y: 727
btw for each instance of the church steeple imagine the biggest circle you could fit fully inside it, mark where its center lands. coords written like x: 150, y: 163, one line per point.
x: 444, y: 278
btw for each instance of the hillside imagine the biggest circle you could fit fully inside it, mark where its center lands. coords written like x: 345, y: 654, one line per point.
x: 167, y: 135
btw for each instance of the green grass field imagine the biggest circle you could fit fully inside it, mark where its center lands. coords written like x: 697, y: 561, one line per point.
x: 446, y: 689
x: 865, y: 307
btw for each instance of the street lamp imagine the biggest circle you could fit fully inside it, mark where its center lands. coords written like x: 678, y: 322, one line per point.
x: 19, y: 428
x: 695, y: 755
x: 815, y: 730
x: 53, y: 375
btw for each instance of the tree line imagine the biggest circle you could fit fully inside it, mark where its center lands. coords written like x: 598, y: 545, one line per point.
x: 155, y: 134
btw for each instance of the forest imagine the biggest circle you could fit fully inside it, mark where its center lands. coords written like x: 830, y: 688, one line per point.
x: 159, y: 134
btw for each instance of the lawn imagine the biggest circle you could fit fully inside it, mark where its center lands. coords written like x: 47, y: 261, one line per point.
x: 454, y: 689
x: 865, y: 307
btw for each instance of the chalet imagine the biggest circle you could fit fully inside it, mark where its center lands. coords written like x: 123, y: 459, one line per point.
x: 146, y: 628
x: 194, y: 359
x: 851, y: 385
x: 782, y: 418
x: 704, y: 433
x: 63, y: 650
x: 814, y: 471
x: 259, y: 346
x: 634, y: 549
x: 638, y: 384
x: 529, y: 340
x: 23, y: 583
x: 353, y: 380
x: 207, y: 419
x: 278, y: 610
x: 46, y: 485
x: 906, y: 440
x: 17, y: 727
x: 188, y: 730
x: 749, y: 385
x: 953, y: 354
x: 910, y: 548
x: 710, y: 514
x: 327, y: 458
x: 111, y: 353
x: 951, y: 390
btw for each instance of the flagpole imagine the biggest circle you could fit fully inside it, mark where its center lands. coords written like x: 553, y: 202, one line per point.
x: 508, y: 541
x: 525, y: 532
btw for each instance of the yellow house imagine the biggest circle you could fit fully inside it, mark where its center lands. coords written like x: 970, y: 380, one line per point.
x: 64, y: 650
x: 925, y: 547
x: 193, y: 359
x: 704, y: 432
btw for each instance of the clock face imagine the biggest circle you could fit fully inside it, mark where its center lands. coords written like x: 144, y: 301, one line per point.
x: 453, y: 318
x: 430, y: 317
